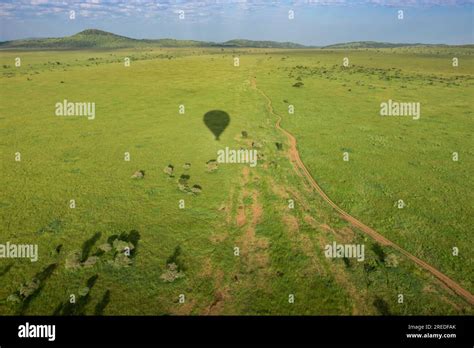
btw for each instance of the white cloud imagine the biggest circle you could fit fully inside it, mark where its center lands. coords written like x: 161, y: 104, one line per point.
x: 192, y: 8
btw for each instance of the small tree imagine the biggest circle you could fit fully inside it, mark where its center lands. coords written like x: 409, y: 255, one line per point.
x: 169, y: 170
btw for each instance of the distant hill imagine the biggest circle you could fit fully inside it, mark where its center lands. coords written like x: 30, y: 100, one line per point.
x: 374, y: 44
x: 99, y: 39
x: 90, y: 38
x: 93, y: 38
x: 260, y: 44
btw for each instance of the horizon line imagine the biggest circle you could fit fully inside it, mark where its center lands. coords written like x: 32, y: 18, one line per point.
x: 233, y: 39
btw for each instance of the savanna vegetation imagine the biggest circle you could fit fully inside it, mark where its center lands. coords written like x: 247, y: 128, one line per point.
x: 166, y: 222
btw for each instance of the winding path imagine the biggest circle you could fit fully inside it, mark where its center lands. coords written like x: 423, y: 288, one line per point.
x: 299, y: 166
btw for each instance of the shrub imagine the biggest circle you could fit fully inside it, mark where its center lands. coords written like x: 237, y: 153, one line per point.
x: 175, y: 258
x: 139, y: 174
x: 169, y: 170
x: 172, y: 273
x: 120, y: 245
x: 121, y: 260
x: 211, y: 165
x: 13, y: 298
x: 391, y: 261
x: 73, y: 260
x: 183, y: 179
x: 105, y: 247
x: 183, y: 187
x: 196, y: 189
x: 84, y: 291
x: 91, y: 261
x: 27, y: 289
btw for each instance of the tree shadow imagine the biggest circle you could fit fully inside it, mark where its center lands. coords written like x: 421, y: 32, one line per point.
x: 41, y: 277
x: 87, y: 246
x: 131, y: 237
x: 79, y: 307
x: 382, y: 306
x: 100, y: 307
x: 378, y: 250
x: 176, y: 259
x: 6, y: 269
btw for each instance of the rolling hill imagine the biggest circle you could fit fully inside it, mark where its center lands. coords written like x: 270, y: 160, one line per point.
x: 93, y: 38
x: 373, y: 44
x: 99, y: 39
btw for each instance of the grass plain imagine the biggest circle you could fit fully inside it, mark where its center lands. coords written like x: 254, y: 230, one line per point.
x: 281, y: 249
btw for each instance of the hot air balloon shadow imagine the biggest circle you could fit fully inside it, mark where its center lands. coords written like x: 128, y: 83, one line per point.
x: 217, y: 121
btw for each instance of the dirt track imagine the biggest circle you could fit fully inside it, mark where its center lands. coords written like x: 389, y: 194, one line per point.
x: 299, y: 166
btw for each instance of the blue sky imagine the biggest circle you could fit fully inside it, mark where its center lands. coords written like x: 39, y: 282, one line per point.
x: 316, y: 22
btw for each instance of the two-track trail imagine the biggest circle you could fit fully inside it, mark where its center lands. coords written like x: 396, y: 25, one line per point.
x: 299, y: 166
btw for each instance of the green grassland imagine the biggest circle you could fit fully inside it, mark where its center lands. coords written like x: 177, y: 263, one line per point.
x: 391, y: 158
x: 281, y: 249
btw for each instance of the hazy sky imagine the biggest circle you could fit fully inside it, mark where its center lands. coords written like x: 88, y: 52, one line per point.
x: 315, y: 22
